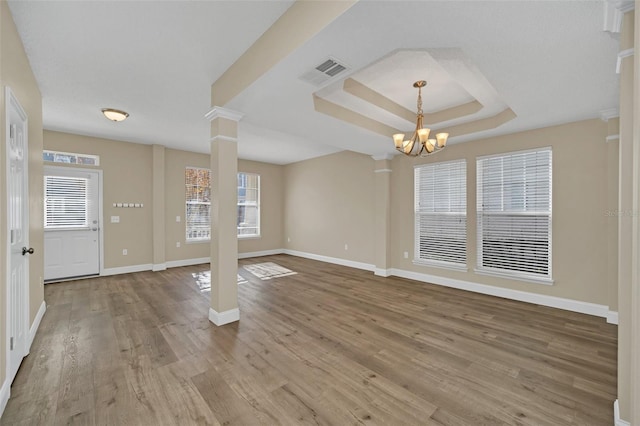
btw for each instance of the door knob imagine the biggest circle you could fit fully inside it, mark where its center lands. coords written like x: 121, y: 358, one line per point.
x: 27, y: 250
x: 94, y: 229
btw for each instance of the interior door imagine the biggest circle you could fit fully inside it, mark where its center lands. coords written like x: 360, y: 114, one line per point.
x: 17, y: 235
x: 71, y: 223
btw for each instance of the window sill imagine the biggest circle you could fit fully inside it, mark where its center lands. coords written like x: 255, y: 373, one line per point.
x: 249, y: 237
x: 207, y: 241
x: 514, y: 276
x: 441, y: 265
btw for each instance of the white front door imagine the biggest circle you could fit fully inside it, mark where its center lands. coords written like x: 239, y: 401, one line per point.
x: 17, y: 235
x: 71, y: 223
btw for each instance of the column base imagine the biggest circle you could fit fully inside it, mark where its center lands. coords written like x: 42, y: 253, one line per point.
x: 226, y: 317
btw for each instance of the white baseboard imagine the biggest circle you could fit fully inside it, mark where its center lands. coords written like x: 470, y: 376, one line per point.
x: 612, y: 317
x: 126, y: 269
x: 381, y: 272
x: 188, y: 262
x: 260, y: 253
x: 36, y: 324
x: 523, y: 296
x: 617, y: 421
x: 159, y: 267
x: 5, y: 392
x: 226, y: 317
x: 335, y: 260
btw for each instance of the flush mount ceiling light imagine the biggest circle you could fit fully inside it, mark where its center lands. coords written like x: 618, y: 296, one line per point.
x: 419, y: 143
x: 115, y: 114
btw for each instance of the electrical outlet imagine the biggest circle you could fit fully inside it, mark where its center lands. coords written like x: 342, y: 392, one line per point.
x: 346, y: 247
x: 288, y: 239
x: 178, y: 244
x: 177, y: 218
x: 406, y: 254
x: 124, y: 252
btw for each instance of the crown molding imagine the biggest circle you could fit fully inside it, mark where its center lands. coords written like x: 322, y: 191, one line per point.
x: 608, y: 114
x: 614, y: 10
x: 220, y: 112
x: 621, y: 55
x: 383, y: 157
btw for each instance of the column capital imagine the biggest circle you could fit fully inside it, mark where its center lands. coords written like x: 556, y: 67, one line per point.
x: 383, y: 157
x: 220, y: 112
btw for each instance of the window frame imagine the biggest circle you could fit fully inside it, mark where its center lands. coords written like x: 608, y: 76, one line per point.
x: 460, y: 193
x: 258, y: 204
x: 192, y: 240
x: 481, y: 213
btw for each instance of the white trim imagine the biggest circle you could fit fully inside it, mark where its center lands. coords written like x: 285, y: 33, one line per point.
x: 383, y: 157
x: 224, y: 138
x: 381, y: 272
x: 523, y: 296
x: 5, y: 393
x: 611, y: 138
x: 220, y: 112
x: 612, y: 317
x: 159, y: 267
x: 617, y: 421
x: 260, y: 253
x: 440, y: 264
x: 334, y: 260
x: 514, y: 276
x: 614, y: 10
x: 621, y: 55
x: 36, y: 324
x: 608, y: 114
x: 383, y: 171
x: 126, y: 269
x: 226, y: 317
x: 188, y: 262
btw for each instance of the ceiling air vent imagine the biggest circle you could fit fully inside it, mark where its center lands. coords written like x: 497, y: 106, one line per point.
x: 323, y: 72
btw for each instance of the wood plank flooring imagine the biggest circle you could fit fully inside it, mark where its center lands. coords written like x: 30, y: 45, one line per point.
x: 329, y: 345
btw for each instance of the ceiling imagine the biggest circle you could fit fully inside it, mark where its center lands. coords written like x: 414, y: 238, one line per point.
x: 546, y: 62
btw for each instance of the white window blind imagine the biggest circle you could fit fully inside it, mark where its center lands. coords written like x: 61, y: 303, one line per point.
x: 65, y: 202
x: 441, y: 214
x: 514, y: 214
x: 198, y: 204
x: 248, y: 205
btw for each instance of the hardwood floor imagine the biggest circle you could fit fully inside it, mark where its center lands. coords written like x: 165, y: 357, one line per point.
x: 329, y: 345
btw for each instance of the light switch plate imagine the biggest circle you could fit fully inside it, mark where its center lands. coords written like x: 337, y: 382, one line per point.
x: 115, y: 219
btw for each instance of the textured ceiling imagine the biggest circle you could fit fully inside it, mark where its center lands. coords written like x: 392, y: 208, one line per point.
x: 549, y: 61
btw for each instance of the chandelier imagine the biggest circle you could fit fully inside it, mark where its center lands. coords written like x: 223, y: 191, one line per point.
x: 419, y: 143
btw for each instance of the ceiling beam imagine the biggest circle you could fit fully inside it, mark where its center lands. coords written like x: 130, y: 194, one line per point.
x: 301, y: 22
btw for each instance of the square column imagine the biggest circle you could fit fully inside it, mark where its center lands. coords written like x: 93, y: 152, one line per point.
x: 224, y: 200
x: 382, y: 214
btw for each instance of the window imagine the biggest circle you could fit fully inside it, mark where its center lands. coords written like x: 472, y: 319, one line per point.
x: 198, y: 204
x: 514, y: 214
x: 65, y: 202
x: 71, y: 158
x: 248, y: 205
x: 441, y: 214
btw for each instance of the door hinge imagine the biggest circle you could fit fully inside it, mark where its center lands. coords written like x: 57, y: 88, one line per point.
x: 12, y: 131
x: 11, y: 344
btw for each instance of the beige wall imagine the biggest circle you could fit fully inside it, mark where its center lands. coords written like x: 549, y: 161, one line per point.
x: 329, y: 202
x: 127, y: 178
x: 271, y: 207
x: 15, y: 72
x: 175, y: 163
x: 579, y: 208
